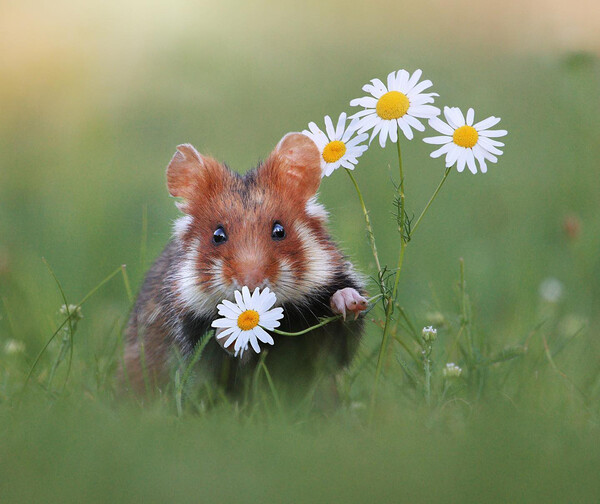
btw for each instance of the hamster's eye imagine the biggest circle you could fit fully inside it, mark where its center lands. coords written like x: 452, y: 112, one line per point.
x: 278, y: 232
x: 219, y: 236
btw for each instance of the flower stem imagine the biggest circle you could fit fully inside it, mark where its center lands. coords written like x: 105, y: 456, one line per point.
x: 431, y: 200
x: 323, y: 322
x: 390, y: 299
x: 427, y: 369
x: 367, y: 222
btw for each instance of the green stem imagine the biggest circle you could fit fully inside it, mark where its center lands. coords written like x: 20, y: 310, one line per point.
x: 367, y: 222
x: 431, y: 200
x: 390, y: 300
x: 427, y: 368
x: 323, y: 322
x: 60, y: 357
x: 300, y: 333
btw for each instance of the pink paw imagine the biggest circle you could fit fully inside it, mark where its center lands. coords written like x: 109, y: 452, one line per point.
x: 348, y: 300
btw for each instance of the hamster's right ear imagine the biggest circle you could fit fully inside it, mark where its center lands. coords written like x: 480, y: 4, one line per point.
x: 295, y: 166
x: 190, y: 174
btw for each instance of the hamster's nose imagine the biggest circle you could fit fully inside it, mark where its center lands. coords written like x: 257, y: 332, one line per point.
x: 253, y: 279
x: 251, y: 273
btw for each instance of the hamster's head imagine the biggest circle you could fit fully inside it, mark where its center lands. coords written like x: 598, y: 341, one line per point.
x: 263, y: 229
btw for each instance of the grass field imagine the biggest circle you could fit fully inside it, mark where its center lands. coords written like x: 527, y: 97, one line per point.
x: 94, y: 101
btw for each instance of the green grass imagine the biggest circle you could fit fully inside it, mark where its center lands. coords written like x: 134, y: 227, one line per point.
x: 82, y: 156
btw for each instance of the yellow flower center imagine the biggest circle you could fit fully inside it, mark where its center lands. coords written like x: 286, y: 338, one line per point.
x: 465, y: 136
x: 333, y: 151
x: 392, y: 105
x: 248, y: 320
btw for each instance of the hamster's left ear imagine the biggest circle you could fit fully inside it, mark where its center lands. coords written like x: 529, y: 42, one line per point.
x: 295, y: 166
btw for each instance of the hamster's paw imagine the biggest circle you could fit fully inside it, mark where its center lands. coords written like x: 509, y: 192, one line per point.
x: 348, y: 300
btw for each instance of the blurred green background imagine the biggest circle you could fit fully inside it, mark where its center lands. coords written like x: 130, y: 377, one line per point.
x: 95, y: 96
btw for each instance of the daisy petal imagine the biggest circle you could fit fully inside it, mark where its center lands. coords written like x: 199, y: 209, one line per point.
x: 384, y: 134
x: 263, y: 335
x: 339, y: 131
x: 377, y: 84
x: 232, y: 306
x: 376, y: 130
x: 488, y: 146
x: 458, y: 116
x: 480, y: 156
x: 367, y: 123
x: 329, y: 127
x: 493, y: 133
x: 402, y: 80
x: 226, y: 312
x: 486, y: 123
x: 405, y: 129
x: 254, y: 341
x: 413, y: 122
x: 393, y: 131
x: 412, y: 82
x: 391, y: 80
x: 222, y: 322
x: 471, y: 162
x: 421, y: 86
x: 437, y: 140
x: 356, y: 140
x: 441, y: 126
x: 452, y: 156
x: 450, y: 118
x: 360, y: 113
x: 495, y: 143
x: 373, y: 90
x: 462, y: 160
x: 239, y: 300
x: 234, y: 336
x: 424, y: 111
x: 247, y: 297
x: 444, y: 149
x: 470, y: 116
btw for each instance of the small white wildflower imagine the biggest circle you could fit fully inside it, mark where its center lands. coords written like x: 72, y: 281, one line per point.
x: 429, y: 334
x: 357, y: 405
x: 12, y: 347
x: 551, y: 290
x: 452, y: 370
x: 73, y: 310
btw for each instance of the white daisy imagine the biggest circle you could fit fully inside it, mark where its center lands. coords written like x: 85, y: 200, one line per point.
x: 244, y: 322
x: 464, y: 142
x: 337, y: 147
x: 400, y: 104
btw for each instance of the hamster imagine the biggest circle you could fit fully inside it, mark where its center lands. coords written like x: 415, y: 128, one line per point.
x: 262, y: 229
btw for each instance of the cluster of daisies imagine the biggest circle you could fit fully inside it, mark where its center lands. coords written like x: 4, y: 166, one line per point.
x: 400, y: 105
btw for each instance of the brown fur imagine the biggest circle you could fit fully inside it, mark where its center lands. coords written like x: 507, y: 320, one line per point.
x: 174, y: 311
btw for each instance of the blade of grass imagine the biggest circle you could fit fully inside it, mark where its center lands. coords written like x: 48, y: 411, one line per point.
x: 127, y: 284
x: 70, y: 322
x: 85, y: 298
x: 273, y: 390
